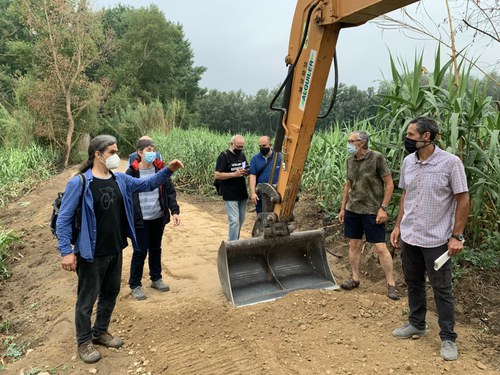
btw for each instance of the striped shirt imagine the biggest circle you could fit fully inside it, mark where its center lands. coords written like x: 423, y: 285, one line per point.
x: 150, y: 200
x: 429, y: 207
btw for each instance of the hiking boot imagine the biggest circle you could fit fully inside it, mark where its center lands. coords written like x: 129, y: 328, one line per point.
x: 88, y: 353
x: 407, y: 331
x: 160, y: 285
x: 107, y: 340
x: 392, y: 292
x: 449, y: 351
x: 350, y: 284
x: 138, y: 294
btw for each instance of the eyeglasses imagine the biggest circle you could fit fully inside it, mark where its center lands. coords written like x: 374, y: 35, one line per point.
x: 353, y: 140
x: 263, y: 146
x: 239, y: 147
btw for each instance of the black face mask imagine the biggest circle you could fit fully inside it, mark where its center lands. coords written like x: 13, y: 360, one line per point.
x: 411, y: 145
x: 265, y: 150
x: 237, y: 151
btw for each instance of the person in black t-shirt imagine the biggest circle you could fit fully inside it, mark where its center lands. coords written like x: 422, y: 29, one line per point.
x: 232, y: 168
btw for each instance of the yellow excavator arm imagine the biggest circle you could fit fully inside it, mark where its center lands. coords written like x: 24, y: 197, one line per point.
x: 276, y: 260
x: 315, y: 29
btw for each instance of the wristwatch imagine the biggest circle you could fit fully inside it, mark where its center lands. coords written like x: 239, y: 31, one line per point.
x: 459, y: 237
x: 384, y: 207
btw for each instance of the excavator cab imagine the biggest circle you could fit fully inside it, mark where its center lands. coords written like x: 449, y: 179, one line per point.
x: 276, y: 260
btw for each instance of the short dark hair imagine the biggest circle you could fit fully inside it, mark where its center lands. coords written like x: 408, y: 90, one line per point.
x: 426, y: 124
x: 143, y: 143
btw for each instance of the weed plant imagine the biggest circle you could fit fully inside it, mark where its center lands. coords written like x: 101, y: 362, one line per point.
x: 22, y: 169
x: 7, y: 238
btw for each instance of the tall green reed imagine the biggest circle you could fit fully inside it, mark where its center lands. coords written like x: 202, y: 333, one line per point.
x: 22, y: 169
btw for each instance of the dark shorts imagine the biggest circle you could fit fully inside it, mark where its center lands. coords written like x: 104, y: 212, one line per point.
x: 357, y: 224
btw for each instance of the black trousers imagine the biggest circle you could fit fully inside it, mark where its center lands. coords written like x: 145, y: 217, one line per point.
x: 149, y: 241
x: 97, y: 281
x: 416, y: 262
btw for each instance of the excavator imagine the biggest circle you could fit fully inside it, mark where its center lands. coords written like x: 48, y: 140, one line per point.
x: 277, y: 260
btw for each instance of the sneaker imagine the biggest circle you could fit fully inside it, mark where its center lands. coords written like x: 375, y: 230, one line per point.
x: 88, y: 353
x: 160, y: 285
x: 350, y: 284
x: 407, y: 331
x: 392, y: 292
x: 449, y: 351
x: 137, y: 293
x: 107, y: 340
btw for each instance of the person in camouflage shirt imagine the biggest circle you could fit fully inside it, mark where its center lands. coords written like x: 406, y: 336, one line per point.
x: 366, y: 195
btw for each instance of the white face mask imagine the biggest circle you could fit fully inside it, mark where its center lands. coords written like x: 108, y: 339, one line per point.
x: 113, y: 161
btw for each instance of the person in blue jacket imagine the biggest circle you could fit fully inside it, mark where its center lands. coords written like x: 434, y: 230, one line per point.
x: 106, y: 222
x: 261, y: 165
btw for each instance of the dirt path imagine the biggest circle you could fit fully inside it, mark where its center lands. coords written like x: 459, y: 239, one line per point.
x: 193, y: 330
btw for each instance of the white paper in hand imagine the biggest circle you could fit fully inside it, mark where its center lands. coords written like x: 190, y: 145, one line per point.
x: 438, y: 263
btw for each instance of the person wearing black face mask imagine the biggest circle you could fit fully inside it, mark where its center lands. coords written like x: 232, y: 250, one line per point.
x: 260, y: 169
x: 432, y: 215
x: 411, y: 145
x: 232, y: 168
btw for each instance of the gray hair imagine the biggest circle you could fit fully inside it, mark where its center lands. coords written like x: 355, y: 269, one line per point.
x: 98, y: 143
x: 362, y: 136
x: 234, y: 137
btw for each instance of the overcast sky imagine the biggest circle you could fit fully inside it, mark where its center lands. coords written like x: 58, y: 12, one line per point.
x: 243, y: 43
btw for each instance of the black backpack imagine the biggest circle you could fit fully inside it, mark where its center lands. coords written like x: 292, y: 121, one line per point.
x: 77, y: 219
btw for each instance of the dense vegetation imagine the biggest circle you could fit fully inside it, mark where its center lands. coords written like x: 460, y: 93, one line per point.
x: 68, y: 72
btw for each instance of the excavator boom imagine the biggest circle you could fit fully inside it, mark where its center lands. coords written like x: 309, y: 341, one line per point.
x: 276, y: 261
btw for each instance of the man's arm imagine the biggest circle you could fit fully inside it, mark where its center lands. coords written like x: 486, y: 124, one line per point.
x: 345, y: 195
x: 227, y: 175
x: 461, y: 215
x: 396, y: 231
x: 389, y: 189
x: 252, y: 183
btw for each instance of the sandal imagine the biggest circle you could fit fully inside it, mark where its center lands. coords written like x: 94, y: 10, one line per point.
x: 350, y: 284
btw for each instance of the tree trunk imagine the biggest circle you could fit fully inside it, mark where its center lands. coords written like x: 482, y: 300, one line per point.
x: 71, y: 129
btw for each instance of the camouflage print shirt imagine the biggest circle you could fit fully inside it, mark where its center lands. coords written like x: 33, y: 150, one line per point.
x: 367, y: 187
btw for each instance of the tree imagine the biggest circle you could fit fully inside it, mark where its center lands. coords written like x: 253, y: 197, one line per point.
x: 68, y: 40
x: 153, y: 60
x: 15, y: 52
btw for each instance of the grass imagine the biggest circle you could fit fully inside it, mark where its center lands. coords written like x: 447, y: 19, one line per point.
x: 7, y: 238
x: 21, y: 170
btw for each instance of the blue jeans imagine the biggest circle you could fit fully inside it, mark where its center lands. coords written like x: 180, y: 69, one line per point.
x: 236, y: 211
x: 98, y: 280
x: 149, y: 241
x: 416, y: 262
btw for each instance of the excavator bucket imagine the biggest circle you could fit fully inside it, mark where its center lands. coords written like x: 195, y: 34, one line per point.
x: 263, y: 269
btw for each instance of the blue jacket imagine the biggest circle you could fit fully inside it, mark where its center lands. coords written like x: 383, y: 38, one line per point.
x: 85, y: 242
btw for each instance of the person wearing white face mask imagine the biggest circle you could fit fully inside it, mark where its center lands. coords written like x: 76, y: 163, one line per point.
x: 107, y: 220
x: 152, y: 211
x: 366, y: 195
